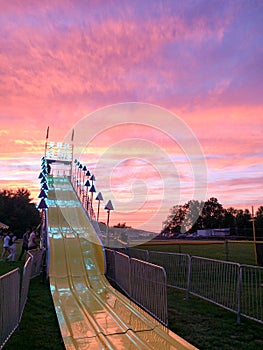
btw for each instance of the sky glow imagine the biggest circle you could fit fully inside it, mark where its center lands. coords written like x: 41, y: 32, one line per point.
x: 61, y: 61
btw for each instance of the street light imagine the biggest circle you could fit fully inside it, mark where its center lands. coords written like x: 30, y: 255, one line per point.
x: 84, y: 169
x: 44, y: 186
x: 79, y: 179
x: 42, y: 194
x: 87, y: 184
x: 99, y: 198
x: 92, y: 190
x: 108, y: 207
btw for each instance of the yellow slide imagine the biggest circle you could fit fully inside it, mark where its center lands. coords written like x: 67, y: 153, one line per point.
x: 91, y: 313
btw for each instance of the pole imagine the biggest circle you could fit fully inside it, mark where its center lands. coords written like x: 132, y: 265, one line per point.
x: 91, y: 206
x: 254, y: 236
x: 108, y: 220
x: 98, y: 214
x: 47, y: 134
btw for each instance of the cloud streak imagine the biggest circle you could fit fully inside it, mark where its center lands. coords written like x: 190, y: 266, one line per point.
x: 61, y: 60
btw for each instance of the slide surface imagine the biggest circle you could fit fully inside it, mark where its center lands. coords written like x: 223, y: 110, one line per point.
x: 91, y: 313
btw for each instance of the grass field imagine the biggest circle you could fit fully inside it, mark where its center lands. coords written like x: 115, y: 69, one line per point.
x: 240, y: 251
x: 201, y: 323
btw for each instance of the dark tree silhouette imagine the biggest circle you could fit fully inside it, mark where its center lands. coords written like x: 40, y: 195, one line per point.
x: 195, y: 215
x: 18, y: 211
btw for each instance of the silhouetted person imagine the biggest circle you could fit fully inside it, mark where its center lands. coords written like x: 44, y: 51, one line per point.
x: 24, y: 244
x: 32, y: 241
x: 12, y: 247
x: 6, y: 248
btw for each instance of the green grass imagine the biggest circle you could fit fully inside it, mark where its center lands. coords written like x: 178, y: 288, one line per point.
x: 201, y: 323
x: 210, y: 327
x: 240, y: 252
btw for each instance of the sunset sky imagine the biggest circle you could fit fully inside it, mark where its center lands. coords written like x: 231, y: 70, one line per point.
x: 201, y: 61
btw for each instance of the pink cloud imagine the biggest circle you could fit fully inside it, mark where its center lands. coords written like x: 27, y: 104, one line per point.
x: 61, y: 60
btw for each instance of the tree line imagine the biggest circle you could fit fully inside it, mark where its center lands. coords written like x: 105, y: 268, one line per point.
x: 17, y: 210
x: 211, y: 214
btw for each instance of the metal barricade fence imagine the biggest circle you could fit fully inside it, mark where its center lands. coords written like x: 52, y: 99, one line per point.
x: 110, y: 263
x: 143, y: 282
x: 149, y: 288
x: 140, y: 254
x: 252, y: 292
x: 237, y: 288
x: 9, y: 306
x: 25, y: 283
x: 122, y: 271
x: 177, y: 267
x: 216, y: 281
x: 37, y: 261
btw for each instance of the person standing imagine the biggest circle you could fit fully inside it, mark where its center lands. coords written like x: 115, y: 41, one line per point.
x: 32, y: 241
x: 6, y: 248
x: 24, y: 244
x: 12, y: 247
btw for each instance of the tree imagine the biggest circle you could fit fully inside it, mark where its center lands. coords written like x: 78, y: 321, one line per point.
x: 193, y: 220
x: 17, y: 211
x: 243, y: 219
x: 259, y: 217
x: 194, y: 215
x: 175, y: 219
x: 212, y: 214
x: 229, y: 219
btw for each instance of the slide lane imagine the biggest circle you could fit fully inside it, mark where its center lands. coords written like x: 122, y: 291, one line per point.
x: 91, y: 313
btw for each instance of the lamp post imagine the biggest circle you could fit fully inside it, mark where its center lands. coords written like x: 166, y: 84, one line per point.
x: 92, y: 190
x: 42, y: 194
x: 42, y: 206
x: 44, y: 186
x: 82, y: 189
x: 87, y: 184
x: 99, y: 198
x: 108, y: 207
x: 43, y: 180
x: 79, y: 178
x: 75, y: 171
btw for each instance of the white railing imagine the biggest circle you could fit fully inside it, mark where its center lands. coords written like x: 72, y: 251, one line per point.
x: 9, y: 305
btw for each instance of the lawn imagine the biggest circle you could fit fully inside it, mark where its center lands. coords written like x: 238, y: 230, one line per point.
x: 205, y: 325
x: 240, y: 252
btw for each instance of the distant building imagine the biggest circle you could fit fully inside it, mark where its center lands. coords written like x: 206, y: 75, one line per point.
x: 214, y: 232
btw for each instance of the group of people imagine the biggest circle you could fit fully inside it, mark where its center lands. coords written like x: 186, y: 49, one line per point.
x: 9, y: 246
